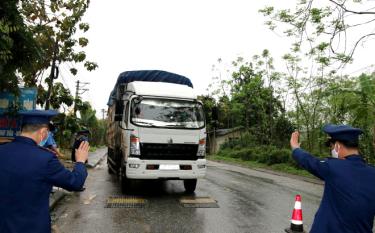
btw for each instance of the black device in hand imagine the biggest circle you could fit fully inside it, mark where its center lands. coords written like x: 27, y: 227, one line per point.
x: 81, y: 136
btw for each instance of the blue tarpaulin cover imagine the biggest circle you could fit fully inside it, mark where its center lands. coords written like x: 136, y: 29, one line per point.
x: 148, y: 76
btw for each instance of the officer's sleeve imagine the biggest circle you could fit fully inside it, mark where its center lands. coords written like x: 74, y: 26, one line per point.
x: 319, y: 168
x: 59, y: 176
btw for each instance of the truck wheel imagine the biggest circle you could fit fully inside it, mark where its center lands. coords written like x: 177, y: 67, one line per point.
x: 109, y: 164
x: 110, y: 171
x: 190, y: 185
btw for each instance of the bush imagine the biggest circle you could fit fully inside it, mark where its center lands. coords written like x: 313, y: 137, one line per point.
x: 246, y: 140
x: 278, y: 156
x: 263, y: 154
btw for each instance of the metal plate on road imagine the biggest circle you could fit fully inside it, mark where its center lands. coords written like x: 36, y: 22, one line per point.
x: 169, y: 167
x: 199, y: 202
x: 126, y: 202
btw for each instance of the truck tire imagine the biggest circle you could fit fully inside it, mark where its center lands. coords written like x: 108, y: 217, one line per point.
x: 109, y: 168
x: 190, y: 185
x: 109, y: 164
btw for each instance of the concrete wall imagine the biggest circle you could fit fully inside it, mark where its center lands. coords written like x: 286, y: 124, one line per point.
x: 214, y: 146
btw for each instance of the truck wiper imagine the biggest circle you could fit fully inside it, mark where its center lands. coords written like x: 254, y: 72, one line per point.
x: 146, y: 123
x: 175, y: 125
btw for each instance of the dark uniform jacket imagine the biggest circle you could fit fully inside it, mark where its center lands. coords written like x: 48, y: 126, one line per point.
x: 27, y: 174
x: 348, y: 204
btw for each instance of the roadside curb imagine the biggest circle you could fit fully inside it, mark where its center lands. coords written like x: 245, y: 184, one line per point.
x: 59, y: 194
x: 55, y: 197
x: 277, y: 173
x: 97, y: 160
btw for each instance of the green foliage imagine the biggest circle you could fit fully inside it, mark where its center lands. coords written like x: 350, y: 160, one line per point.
x: 208, y: 105
x: 282, y: 167
x: 248, y: 99
x: 60, y: 95
x: 17, y: 47
x: 255, y: 103
x: 268, y: 155
x: 35, y: 34
x: 69, y: 124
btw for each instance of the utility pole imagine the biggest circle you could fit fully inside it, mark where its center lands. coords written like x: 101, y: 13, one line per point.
x: 53, y: 75
x: 103, y: 112
x: 79, y: 91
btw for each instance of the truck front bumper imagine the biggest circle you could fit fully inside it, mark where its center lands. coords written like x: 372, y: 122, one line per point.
x: 165, y: 169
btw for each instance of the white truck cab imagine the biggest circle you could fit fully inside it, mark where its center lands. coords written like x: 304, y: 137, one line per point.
x: 156, y: 131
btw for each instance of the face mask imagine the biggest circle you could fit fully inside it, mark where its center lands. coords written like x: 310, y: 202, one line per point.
x: 334, y: 154
x: 43, y: 142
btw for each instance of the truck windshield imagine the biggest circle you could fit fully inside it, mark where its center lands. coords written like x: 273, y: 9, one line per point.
x: 168, y: 114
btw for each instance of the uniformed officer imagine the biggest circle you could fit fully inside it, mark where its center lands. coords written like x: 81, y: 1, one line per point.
x: 348, y: 203
x: 27, y: 174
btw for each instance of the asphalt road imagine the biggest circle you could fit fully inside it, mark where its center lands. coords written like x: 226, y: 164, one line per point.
x: 248, y: 201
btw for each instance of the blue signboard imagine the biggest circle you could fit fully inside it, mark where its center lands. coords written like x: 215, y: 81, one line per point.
x: 25, y: 101
x: 10, y: 125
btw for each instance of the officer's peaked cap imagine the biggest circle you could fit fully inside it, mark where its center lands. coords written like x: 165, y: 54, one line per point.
x: 342, y: 132
x: 33, y: 117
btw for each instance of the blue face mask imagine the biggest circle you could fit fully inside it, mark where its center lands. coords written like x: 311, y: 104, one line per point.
x: 43, y: 142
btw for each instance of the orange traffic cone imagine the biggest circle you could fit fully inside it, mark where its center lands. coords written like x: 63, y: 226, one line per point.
x: 296, y: 222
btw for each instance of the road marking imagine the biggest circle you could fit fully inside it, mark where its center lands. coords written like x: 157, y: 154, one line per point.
x: 126, y: 202
x: 198, y: 202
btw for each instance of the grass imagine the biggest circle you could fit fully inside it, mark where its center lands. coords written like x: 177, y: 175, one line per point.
x: 281, y: 167
x: 93, y: 148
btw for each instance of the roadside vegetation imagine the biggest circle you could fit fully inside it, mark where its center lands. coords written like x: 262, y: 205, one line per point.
x: 308, y: 88
x: 243, y: 152
x: 39, y: 40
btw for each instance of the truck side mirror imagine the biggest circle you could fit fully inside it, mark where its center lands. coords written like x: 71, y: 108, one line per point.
x: 119, y: 109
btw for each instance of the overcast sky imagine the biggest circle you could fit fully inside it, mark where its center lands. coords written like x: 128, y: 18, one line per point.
x: 184, y: 37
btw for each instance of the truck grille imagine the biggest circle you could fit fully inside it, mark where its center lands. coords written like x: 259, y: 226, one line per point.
x: 168, y: 151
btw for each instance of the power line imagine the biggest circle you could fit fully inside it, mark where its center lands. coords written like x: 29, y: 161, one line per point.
x: 363, y: 68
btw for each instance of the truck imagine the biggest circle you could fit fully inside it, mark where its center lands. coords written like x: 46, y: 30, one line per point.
x: 156, y: 129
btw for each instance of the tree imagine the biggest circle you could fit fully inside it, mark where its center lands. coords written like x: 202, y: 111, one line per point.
x: 54, y: 25
x: 208, y: 104
x: 60, y: 97
x: 18, y: 49
x: 353, y: 101
x: 251, y: 101
x: 336, y: 28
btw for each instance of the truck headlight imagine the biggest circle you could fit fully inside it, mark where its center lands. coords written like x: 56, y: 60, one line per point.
x: 135, y: 148
x: 202, y: 148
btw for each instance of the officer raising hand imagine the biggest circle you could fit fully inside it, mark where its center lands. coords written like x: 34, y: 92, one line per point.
x: 348, y: 203
x: 27, y: 173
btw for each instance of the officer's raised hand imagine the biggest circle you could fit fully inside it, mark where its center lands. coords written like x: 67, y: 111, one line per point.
x: 294, y: 140
x: 82, y: 153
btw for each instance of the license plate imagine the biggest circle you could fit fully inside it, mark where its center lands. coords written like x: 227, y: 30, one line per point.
x: 169, y: 167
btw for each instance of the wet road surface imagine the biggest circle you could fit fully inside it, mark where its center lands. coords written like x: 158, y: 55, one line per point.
x: 248, y: 201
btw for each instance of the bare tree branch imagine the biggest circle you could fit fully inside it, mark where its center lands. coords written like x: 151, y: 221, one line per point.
x: 342, y: 5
